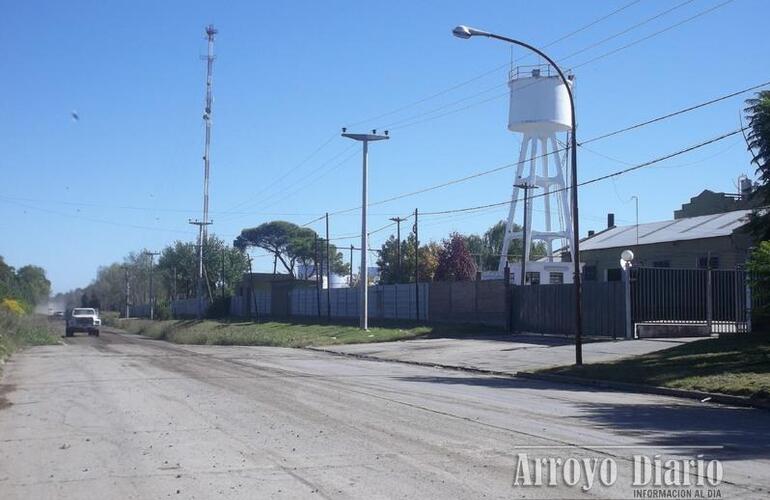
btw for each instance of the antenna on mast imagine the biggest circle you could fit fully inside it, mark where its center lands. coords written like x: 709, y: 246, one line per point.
x: 210, y: 32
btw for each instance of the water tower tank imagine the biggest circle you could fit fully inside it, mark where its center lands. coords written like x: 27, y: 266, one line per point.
x: 539, y: 104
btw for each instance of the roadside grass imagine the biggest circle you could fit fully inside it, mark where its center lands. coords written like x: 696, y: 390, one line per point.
x: 17, y: 331
x: 285, y: 334
x: 736, y: 365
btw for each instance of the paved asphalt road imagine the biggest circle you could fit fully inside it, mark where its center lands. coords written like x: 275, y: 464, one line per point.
x: 127, y: 417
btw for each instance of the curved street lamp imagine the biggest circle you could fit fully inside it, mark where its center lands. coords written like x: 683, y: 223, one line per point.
x: 466, y: 32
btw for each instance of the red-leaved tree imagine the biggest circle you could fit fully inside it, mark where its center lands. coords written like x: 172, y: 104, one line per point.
x: 455, y: 262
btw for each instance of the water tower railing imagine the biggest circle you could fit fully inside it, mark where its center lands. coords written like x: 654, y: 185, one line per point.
x: 534, y: 71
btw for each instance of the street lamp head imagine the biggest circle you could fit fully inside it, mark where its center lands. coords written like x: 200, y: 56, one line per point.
x: 467, y: 32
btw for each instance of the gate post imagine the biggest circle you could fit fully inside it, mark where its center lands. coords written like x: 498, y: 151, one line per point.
x: 708, y: 294
x: 627, y: 302
x: 747, y: 284
x: 508, y: 299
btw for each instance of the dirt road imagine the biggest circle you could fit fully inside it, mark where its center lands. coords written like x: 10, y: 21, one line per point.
x: 126, y: 417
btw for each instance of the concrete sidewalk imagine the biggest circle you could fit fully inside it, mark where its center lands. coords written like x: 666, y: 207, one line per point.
x: 506, y: 353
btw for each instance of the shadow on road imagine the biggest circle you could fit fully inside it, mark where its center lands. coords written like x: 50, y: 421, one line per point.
x: 744, y: 433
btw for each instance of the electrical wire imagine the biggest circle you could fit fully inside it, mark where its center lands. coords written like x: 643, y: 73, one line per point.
x: 493, y: 70
x: 418, y: 118
x: 588, y: 141
x: 600, y: 178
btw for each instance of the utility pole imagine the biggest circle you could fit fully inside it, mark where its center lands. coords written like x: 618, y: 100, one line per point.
x: 416, y: 267
x: 364, y: 278
x: 351, y: 267
x: 252, y: 292
x: 317, y: 279
x: 128, y: 295
x: 524, y: 246
x: 328, y: 273
x: 152, y: 290
x: 201, y: 236
x: 223, y: 273
x: 174, y: 287
x: 398, y: 221
x: 210, y: 32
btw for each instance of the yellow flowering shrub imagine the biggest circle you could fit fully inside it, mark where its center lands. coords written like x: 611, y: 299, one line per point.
x: 13, y: 306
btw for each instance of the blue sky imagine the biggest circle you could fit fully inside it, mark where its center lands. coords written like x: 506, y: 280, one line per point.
x: 79, y: 194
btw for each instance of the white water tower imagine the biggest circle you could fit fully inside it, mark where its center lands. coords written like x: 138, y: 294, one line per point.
x: 539, y: 110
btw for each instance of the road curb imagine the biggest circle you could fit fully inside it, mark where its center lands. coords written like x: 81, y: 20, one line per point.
x: 368, y: 357
x: 712, y: 397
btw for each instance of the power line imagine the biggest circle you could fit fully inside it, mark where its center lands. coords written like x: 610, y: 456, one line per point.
x: 283, y: 191
x: 587, y: 141
x: 495, y: 69
x: 91, y: 219
x: 287, y: 173
x: 627, y: 30
x: 675, y: 113
x: 660, y: 32
x: 603, y: 177
x: 405, y: 122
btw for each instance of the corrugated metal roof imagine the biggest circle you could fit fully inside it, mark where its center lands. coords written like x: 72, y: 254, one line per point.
x: 690, y: 228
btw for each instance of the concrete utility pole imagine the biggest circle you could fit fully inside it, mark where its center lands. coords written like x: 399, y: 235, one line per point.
x: 328, y: 273
x: 398, y: 221
x: 223, y: 273
x: 524, y: 245
x: 317, y: 279
x: 199, y: 295
x: 364, y: 278
x: 210, y: 32
x: 128, y: 295
x: 416, y: 268
x: 152, y: 290
x: 351, y: 266
x: 252, y: 292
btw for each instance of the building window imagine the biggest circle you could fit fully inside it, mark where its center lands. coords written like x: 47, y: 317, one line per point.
x: 556, y: 278
x: 533, y: 278
x: 661, y: 263
x: 704, y: 262
x: 614, y: 274
x: 589, y: 273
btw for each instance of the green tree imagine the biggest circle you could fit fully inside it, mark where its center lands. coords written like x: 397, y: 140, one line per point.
x: 292, y: 245
x: 486, y: 248
x: 387, y: 261
x: 758, y: 266
x: 33, y: 285
x: 758, y: 142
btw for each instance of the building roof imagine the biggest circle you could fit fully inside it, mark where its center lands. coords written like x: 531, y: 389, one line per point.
x: 690, y: 228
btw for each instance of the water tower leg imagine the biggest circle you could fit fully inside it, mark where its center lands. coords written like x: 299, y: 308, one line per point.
x: 563, y: 193
x: 547, y: 196
x: 514, y: 199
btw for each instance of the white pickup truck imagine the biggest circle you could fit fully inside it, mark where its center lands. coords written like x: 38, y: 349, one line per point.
x: 83, y: 319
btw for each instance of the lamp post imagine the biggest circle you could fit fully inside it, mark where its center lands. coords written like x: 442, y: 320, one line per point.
x: 363, y: 279
x: 466, y: 32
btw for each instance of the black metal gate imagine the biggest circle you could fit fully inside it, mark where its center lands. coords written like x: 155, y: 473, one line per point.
x: 550, y: 309
x: 713, y: 298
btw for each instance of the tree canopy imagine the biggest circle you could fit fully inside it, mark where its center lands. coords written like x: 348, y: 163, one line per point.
x: 291, y: 245
x: 28, y: 284
x: 758, y: 142
x: 455, y: 262
x: 387, y: 261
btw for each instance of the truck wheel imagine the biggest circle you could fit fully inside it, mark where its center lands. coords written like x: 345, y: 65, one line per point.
x: 68, y: 332
x: 96, y: 333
